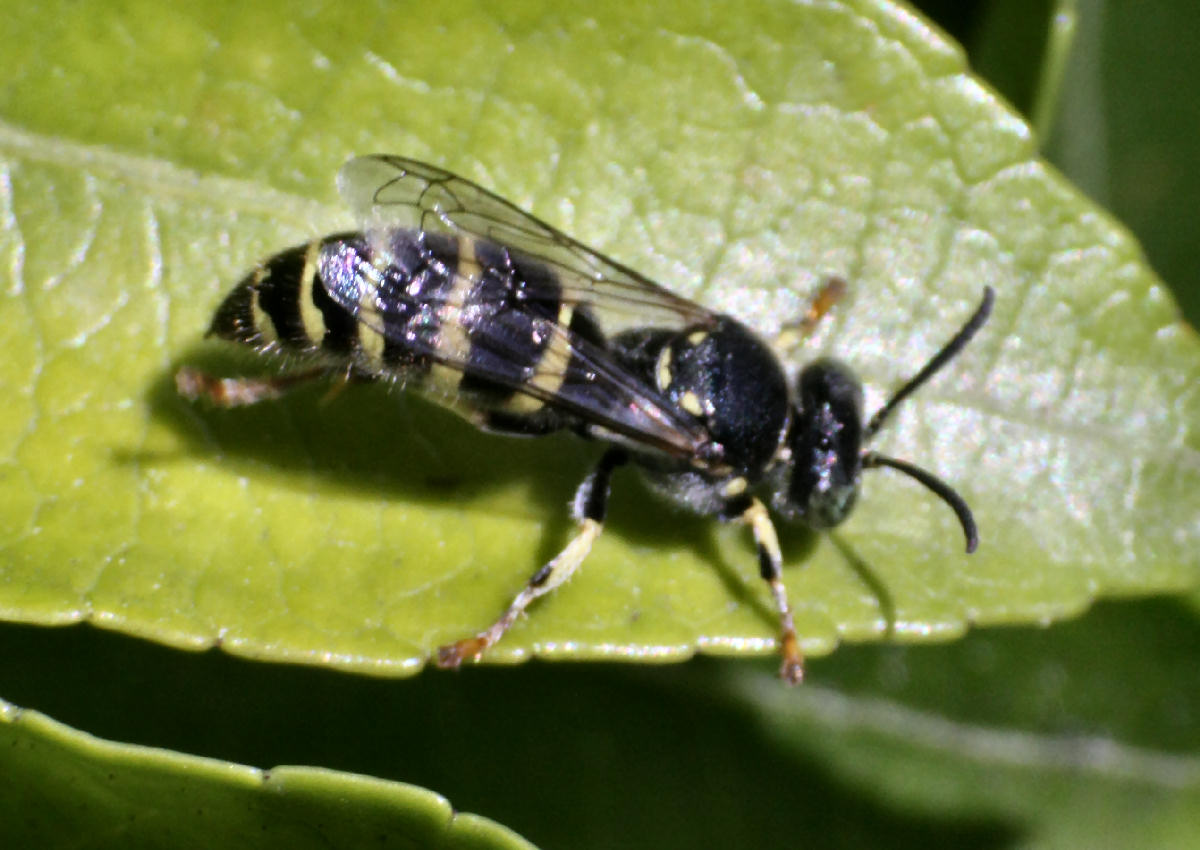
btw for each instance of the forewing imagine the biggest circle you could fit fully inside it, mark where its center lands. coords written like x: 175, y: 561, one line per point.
x: 388, y: 192
x: 508, y: 316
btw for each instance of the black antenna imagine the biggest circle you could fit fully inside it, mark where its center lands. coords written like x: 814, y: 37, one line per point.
x: 939, y: 487
x: 943, y: 490
x: 935, y: 363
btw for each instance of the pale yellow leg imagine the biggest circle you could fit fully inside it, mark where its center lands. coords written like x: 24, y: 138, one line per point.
x: 543, y: 581
x: 193, y: 384
x: 831, y: 293
x: 770, y: 563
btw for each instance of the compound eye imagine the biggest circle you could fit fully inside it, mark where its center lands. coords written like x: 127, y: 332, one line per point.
x: 823, y: 498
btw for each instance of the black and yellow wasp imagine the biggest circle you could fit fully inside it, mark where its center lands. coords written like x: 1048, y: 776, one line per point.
x: 454, y: 292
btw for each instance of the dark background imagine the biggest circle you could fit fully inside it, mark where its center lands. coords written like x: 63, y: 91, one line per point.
x: 1128, y: 122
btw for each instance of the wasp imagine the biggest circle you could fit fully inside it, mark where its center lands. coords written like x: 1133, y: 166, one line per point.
x: 453, y: 292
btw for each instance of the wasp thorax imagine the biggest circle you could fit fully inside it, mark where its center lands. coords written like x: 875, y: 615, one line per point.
x: 729, y: 379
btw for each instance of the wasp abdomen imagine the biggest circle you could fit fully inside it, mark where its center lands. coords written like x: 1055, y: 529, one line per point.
x: 399, y: 305
x: 283, y: 305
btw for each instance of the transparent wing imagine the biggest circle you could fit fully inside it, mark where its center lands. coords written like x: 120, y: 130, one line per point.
x: 387, y: 192
x: 501, y: 318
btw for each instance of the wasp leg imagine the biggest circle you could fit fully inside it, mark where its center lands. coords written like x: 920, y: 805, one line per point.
x: 350, y: 376
x: 588, y: 508
x: 827, y: 296
x: 193, y: 384
x: 770, y: 565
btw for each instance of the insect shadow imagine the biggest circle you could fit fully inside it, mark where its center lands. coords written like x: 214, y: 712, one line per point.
x: 388, y: 445
x: 874, y: 583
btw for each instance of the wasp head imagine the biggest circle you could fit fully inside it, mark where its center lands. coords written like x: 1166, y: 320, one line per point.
x: 823, y: 447
x: 816, y: 477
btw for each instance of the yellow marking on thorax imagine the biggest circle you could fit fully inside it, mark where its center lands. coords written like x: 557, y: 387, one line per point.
x: 662, y: 373
x: 690, y: 402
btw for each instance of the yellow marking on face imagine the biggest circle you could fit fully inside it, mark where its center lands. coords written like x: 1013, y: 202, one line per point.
x: 690, y: 402
x: 697, y: 337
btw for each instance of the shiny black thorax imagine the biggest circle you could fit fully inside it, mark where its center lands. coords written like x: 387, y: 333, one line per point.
x: 804, y: 450
x: 730, y: 380
x: 726, y: 376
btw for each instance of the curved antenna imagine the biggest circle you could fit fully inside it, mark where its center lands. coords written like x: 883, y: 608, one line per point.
x: 935, y: 363
x: 939, y: 487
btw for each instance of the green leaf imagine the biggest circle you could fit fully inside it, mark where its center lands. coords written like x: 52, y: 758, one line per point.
x: 738, y: 153
x: 62, y: 785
